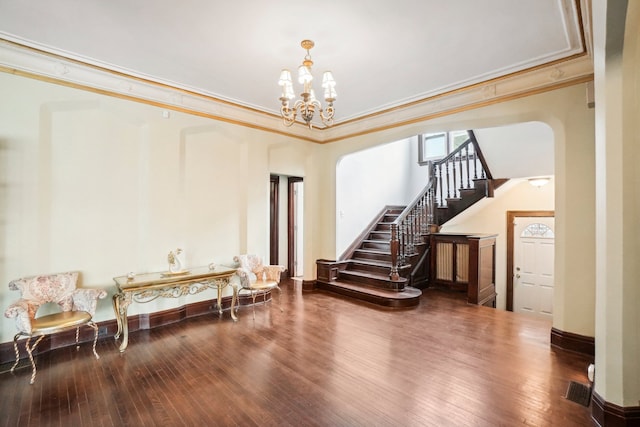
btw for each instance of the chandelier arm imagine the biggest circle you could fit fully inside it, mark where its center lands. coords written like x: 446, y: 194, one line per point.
x: 327, y: 115
x: 288, y: 114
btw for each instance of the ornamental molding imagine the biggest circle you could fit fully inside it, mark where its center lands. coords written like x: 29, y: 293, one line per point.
x: 33, y: 63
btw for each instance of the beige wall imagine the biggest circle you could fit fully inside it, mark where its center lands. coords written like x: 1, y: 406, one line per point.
x: 107, y: 186
x: 617, y: 89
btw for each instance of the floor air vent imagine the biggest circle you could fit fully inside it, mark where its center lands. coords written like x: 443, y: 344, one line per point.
x: 579, y: 393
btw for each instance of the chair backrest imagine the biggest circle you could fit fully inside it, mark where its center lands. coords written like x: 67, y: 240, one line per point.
x: 250, y: 262
x: 57, y: 288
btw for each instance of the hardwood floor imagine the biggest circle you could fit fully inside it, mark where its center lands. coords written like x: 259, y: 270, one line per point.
x: 325, y: 361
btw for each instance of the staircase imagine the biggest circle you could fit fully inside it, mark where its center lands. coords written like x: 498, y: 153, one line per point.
x: 389, y: 262
x: 468, y: 196
x: 365, y: 266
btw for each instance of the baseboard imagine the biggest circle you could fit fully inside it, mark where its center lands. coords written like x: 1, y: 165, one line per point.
x: 573, y: 342
x: 108, y: 328
x: 607, y: 414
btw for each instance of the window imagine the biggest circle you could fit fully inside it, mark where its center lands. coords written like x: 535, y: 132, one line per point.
x: 538, y: 230
x: 435, y: 146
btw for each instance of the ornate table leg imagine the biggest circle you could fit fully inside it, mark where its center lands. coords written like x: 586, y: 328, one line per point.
x: 116, y: 310
x: 234, y: 301
x: 121, y: 304
x: 219, y: 285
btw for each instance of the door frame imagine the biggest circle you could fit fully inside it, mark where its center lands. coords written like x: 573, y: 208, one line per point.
x: 511, y: 217
x: 291, y: 215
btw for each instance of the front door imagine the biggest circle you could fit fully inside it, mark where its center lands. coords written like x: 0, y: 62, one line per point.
x: 533, y: 266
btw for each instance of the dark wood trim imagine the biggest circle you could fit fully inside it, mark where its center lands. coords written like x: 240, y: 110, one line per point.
x: 309, y: 285
x: 511, y: 216
x: 573, y: 342
x: 610, y: 415
x: 274, y: 215
x: 291, y: 216
x: 482, y: 271
x: 108, y: 328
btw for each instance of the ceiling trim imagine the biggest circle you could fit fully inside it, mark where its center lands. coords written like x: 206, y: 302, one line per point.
x: 473, y: 106
x: 34, y: 63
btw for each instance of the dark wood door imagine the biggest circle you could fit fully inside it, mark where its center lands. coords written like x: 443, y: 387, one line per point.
x: 273, y: 219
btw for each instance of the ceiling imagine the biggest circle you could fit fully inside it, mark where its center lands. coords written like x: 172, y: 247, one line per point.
x: 384, y: 55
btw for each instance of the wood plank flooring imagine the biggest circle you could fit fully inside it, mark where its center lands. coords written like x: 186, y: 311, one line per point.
x: 325, y: 361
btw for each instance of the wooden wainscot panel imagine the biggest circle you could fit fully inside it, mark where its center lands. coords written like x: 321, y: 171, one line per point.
x: 449, y: 261
x: 482, y: 270
x: 465, y: 262
x: 327, y: 270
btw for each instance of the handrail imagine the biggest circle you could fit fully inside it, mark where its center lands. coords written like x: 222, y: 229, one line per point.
x: 407, y: 229
x: 455, y: 152
x: 476, y: 146
x: 458, y: 170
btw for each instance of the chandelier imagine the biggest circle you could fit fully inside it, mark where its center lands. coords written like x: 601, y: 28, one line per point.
x: 308, y: 104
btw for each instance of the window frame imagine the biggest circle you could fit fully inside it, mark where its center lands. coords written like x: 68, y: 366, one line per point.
x: 423, y: 138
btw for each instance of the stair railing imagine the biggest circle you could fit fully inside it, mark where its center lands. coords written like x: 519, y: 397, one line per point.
x: 410, y: 227
x: 456, y: 171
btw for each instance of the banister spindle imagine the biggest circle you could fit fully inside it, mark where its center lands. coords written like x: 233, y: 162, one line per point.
x: 454, y: 168
x: 440, y: 194
x: 467, y: 162
x: 475, y: 165
x: 446, y: 164
x: 394, y: 246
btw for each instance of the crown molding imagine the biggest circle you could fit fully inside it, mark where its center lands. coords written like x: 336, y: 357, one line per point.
x: 33, y: 63
x: 571, y: 71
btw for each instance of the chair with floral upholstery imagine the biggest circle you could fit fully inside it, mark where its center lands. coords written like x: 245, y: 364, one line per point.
x: 77, y: 307
x: 257, y: 278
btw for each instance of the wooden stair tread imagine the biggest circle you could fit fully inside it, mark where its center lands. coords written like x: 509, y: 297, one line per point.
x: 370, y: 262
x: 357, y: 264
x: 407, y: 292
x: 373, y: 251
x: 373, y: 276
x: 409, y: 297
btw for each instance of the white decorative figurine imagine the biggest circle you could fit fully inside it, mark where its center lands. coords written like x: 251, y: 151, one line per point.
x: 175, y: 265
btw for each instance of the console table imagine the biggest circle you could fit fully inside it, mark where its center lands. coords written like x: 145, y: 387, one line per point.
x: 149, y: 286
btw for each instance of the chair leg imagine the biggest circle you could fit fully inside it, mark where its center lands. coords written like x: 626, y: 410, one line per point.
x: 15, y: 348
x: 30, y: 350
x: 77, y: 338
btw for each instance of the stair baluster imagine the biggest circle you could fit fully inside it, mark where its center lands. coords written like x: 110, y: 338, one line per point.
x: 394, y: 245
x: 475, y: 166
x: 440, y: 194
x: 410, y: 231
x: 468, y: 185
x: 446, y: 171
x: 456, y: 187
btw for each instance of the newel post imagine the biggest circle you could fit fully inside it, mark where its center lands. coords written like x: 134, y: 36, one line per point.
x: 394, y: 246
